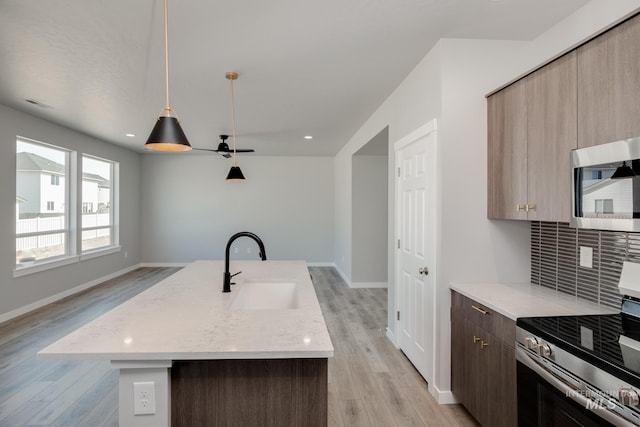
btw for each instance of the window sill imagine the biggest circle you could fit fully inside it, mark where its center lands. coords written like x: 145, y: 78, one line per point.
x: 44, y: 265
x: 100, y: 252
x: 59, y: 262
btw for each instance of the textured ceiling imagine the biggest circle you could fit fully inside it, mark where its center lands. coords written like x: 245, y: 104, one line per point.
x: 306, y: 67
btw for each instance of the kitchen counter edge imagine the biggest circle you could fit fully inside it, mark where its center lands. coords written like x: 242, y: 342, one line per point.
x: 527, y: 300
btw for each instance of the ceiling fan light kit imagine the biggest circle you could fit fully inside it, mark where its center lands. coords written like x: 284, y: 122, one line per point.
x: 167, y: 134
x: 224, y: 150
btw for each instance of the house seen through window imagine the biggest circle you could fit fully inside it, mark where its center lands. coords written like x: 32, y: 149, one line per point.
x: 42, y: 229
x: 46, y: 203
x: 97, y: 199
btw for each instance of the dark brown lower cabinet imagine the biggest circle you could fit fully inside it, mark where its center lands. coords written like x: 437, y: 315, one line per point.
x: 483, y: 363
x: 246, y: 393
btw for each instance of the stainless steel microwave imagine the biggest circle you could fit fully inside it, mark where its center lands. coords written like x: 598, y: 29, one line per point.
x: 606, y: 186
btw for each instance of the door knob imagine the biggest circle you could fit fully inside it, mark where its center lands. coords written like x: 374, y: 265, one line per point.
x: 423, y: 270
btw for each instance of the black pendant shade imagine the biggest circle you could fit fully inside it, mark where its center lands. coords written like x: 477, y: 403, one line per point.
x: 623, y: 171
x: 167, y: 135
x: 235, y: 174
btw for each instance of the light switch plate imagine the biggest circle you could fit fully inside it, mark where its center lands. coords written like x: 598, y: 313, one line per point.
x: 586, y: 257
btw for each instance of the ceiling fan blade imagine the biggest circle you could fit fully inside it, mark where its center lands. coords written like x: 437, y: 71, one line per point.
x: 222, y: 153
x: 204, y: 149
x: 243, y: 150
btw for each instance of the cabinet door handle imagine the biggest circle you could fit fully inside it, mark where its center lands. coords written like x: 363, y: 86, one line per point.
x: 520, y: 207
x: 530, y: 208
x: 476, y: 339
x: 479, y: 309
x: 483, y: 344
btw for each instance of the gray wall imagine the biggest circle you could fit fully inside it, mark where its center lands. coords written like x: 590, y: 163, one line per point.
x: 22, y: 291
x: 369, y: 227
x: 189, y: 211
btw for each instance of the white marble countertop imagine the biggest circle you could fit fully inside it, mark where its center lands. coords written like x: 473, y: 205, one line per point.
x: 188, y: 317
x: 526, y: 300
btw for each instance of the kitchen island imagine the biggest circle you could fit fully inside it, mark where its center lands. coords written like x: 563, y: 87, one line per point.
x: 254, y: 356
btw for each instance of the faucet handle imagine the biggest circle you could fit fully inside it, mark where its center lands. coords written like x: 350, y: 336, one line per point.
x: 234, y: 274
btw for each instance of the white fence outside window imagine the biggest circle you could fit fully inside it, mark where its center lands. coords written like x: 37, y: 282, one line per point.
x: 39, y: 225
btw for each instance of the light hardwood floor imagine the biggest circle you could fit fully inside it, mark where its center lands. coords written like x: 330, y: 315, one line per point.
x: 370, y: 382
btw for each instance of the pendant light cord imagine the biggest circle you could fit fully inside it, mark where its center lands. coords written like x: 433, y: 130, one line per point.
x: 167, y: 108
x: 233, y: 122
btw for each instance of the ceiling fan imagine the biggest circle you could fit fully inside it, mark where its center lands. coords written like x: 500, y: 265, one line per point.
x: 224, y: 150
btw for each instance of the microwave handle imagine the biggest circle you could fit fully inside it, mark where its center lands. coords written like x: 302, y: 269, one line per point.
x: 577, y: 192
x: 575, y: 394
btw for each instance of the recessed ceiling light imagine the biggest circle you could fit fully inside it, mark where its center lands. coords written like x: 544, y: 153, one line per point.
x: 130, y: 135
x: 308, y: 137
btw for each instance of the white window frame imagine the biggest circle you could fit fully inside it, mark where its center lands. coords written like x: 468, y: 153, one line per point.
x: 113, y: 214
x: 73, y: 216
x: 69, y: 255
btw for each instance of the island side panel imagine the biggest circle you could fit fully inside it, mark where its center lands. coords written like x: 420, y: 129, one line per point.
x: 262, y: 392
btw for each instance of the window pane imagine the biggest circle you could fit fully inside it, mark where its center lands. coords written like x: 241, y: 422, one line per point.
x: 41, y: 197
x: 97, y: 200
x: 36, y: 248
x: 93, y: 239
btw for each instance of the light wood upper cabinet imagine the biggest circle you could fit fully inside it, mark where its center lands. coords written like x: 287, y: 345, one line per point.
x: 609, y: 86
x: 587, y: 97
x: 531, y: 132
x: 551, y: 135
x: 507, y: 155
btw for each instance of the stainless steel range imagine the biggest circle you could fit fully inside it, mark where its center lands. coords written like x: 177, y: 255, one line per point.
x: 582, y: 370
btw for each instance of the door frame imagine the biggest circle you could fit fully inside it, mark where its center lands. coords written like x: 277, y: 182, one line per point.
x: 432, y: 156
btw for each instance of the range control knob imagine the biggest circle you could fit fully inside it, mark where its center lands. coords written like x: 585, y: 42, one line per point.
x: 532, y: 343
x: 545, y: 350
x: 628, y: 396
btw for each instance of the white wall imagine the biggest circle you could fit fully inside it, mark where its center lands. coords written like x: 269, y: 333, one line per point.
x: 449, y: 84
x: 369, y: 222
x: 423, y: 89
x: 189, y: 211
x: 20, y: 292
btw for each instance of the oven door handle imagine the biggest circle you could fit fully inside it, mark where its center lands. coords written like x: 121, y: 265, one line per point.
x: 571, y: 392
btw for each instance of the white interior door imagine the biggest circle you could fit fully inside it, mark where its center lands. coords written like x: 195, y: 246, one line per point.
x: 415, y: 264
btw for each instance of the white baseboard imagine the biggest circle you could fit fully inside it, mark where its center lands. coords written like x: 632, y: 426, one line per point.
x: 360, y: 285
x: 443, y: 397
x: 344, y: 276
x: 321, y: 264
x: 392, y: 338
x: 41, y: 303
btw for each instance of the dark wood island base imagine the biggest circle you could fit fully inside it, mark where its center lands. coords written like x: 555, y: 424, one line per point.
x: 246, y: 393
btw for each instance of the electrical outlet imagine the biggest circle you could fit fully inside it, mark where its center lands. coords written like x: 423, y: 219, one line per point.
x: 249, y: 250
x: 144, y: 398
x: 235, y: 250
x: 126, y: 255
x: 586, y: 256
x: 586, y: 338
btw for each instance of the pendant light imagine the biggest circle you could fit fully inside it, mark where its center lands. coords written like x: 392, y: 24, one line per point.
x: 167, y: 134
x: 235, y: 174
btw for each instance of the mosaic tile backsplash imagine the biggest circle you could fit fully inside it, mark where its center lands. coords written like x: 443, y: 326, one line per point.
x: 555, y: 260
